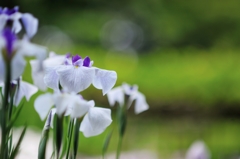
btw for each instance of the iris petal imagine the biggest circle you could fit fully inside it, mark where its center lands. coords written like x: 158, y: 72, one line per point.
x: 42, y: 104
x: 62, y: 101
x: 140, y: 104
x: 79, y: 107
x: 25, y: 89
x: 51, y: 78
x: 18, y: 64
x: 3, y: 20
x: 30, y: 23
x: 75, y: 79
x: 38, y: 75
x: 116, y: 95
x: 95, y: 121
x: 104, y: 79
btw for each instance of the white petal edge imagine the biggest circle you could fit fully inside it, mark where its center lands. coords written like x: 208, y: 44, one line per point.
x: 79, y: 107
x: 62, y: 101
x: 140, y: 103
x: 25, y: 89
x: 75, y: 79
x: 51, y: 78
x: 17, y: 27
x: 116, y: 95
x: 95, y: 121
x: 3, y: 19
x: 43, y: 103
x: 18, y: 64
x: 30, y: 23
x: 104, y: 79
x: 26, y: 48
x: 38, y: 75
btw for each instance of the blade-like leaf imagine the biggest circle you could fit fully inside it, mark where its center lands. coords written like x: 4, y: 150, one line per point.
x: 59, y: 133
x: 106, y: 143
x: 10, y: 125
x: 122, y: 120
x: 16, y: 149
x: 43, y: 144
x: 76, y: 138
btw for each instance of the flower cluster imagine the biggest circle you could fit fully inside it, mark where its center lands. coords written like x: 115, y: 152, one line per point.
x: 13, y: 49
x: 74, y: 75
x: 68, y: 75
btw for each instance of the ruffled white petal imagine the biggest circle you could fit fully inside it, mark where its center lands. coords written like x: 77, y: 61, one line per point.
x: 62, y: 101
x: 79, y: 107
x: 18, y: 64
x: 54, y: 60
x: 30, y: 23
x: 116, y: 95
x: 43, y: 103
x: 38, y: 75
x: 25, y: 89
x: 95, y: 121
x: 3, y: 19
x: 51, y: 78
x: 104, y: 79
x: 75, y: 79
x: 16, y: 23
x: 140, y: 103
x: 27, y: 48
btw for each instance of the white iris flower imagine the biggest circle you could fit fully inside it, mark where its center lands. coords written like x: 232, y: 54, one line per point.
x: 77, y: 74
x: 95, y: 119
x: 117, y: 94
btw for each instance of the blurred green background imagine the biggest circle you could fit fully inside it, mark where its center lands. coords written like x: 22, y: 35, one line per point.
x: 183, y: 54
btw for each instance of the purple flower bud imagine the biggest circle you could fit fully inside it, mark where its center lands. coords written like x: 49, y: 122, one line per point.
x: 9, y: 37
x: 68, y: 55
x: 75, y: 58
x: 86, y: 62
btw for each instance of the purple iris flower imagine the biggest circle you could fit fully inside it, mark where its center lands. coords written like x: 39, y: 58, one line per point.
x: 12, y: 18
x: 9, y: 11
x: 10, y: 38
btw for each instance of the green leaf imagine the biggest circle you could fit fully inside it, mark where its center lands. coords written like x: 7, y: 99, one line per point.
x: 69, y: 135
x: 16, y: 149
x: 59, y: 133
x: 106, y: 143
x: 122, y: 120
x: 76, y: 138
x: 43, y: 144
x: 10, y: 125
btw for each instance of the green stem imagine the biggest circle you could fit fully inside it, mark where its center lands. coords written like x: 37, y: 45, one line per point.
x: 119, y: 147
x: 76, y: 138
x: 122, y: 122
x: 59, y: 133
x: 70, y: 130
x: 11, y: 106
x: 4, y: 112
